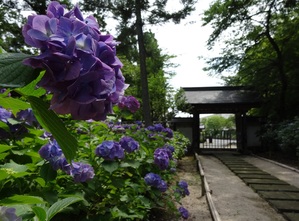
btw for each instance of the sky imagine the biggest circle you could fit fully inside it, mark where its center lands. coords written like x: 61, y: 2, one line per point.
x: 187, y: 41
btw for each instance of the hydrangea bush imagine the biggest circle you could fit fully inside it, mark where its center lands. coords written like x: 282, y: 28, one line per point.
x: 80, y: 166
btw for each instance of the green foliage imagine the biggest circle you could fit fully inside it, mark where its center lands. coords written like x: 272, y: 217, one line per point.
x: 282, y: 137
x: 13, y: 73
x: 260, y: 44
x: 216, y: 123
x: 50, y: 122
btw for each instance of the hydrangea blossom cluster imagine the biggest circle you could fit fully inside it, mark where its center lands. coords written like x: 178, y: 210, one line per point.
x: 129, y: 102
x: 162, y: 157
x: 82, y: 69
x: 184, y: 212
x: 52, y: 153
x: 79, y: 171
x: 110, y: 150
x: 155, y: 180
x: 4, y: 115
x: 27, y: 116
x: 129, y: 144
x: 183, y: 188
x: 8, y: 214
x: 160, y: 128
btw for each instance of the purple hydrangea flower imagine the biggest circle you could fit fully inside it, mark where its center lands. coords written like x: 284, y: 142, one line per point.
x: 184, y: 212
x: 5, y: 114
x: 162, y: 186
x: 155, y: 180
x: 129, y: 144
x: 53, y: 153
x: 81, y: 172
x: 151, y: 128
x: 82, y: 69
x: 169, y: 132
x: 129, y: 102
x: 110, y: 150
x: 27, y: 116
x: 8, y: 214
x: 161, y: 158
x: 159, y: 127
x: 183, y: 188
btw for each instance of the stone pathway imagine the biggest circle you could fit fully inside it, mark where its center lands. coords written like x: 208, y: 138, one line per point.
x: 282, y: 196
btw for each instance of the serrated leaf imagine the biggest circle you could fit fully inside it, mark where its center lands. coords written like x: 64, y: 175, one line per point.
x: 60, y: 205
x: 110, y: 166
x: 21, y: 199
x: 13, y: 73
x: 40, y: 213
x: 13, y: 104
x: 53, y: 124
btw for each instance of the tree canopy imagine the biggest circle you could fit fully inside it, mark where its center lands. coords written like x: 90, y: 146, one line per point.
x: 260, y: 44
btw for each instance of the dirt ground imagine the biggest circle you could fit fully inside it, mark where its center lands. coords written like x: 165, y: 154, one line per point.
x: 194, y: 203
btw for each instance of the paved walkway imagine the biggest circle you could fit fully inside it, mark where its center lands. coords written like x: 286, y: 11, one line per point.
x: 260, y: 191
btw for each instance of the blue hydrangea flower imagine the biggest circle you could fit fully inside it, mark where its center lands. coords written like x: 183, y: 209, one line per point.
x: 5, y: 114
x: 184, y: 212
x: 8, y: 214
x: 183, y: 188
x: 161, y: 158
x: 53, y: 153
x: 158, y: 127
x: 151, y: 128
x: 129, y: 144
x: 27, y: 116
x: 155, y: 180
x: 81, y: 172
x: 162, y: 186
x: 110, y: 150
x: 82, y: 69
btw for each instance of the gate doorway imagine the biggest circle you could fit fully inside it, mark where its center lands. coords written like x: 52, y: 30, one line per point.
x: 219, y: 140
x: 212, y: 100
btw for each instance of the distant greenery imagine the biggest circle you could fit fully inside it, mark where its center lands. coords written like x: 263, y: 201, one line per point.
x: 214, y: 124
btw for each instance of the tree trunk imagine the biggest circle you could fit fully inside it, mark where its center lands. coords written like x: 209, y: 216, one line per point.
x: 143, y: 74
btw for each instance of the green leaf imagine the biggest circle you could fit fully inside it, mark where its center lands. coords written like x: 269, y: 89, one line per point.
x: 110, y: 166
x: 51, y: 122
x: 4, y: 126
x: 13, y: 73
x: 40, y: 213
x: 14, y: 167
x: 31, y: 88
x: 60, y: 205
x: 3, y: 174
x: 13, y: 104
x: 130, y: 163
x: 47, y: 172
x: 4, y: 147
x: 21, y: 199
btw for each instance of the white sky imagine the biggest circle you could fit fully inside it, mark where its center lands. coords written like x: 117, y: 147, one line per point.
x: 187, y: 41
